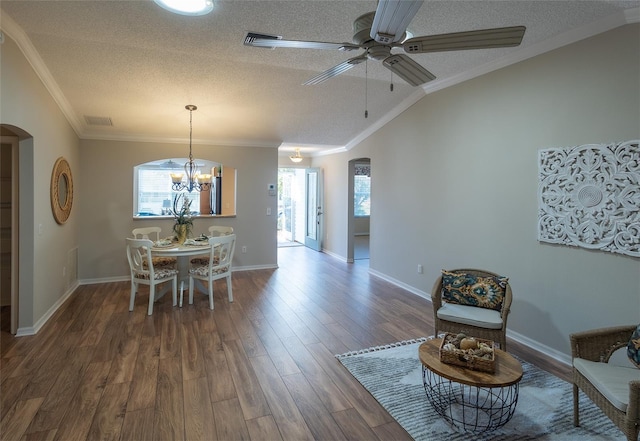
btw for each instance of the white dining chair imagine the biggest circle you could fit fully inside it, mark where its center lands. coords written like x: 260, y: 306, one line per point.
x: 143, y: 272
x: 217, y: 267
x: 153, y: 234
x: 214, y: 231
x: 219, y: 230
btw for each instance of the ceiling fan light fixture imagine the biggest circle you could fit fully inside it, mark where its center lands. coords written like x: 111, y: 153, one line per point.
x: 297, y: 157
x: 186, y: 7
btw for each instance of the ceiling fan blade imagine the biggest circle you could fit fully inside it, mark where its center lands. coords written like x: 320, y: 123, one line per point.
x: 392, y: 18
x: 272, y: 41
x: 407, y: 69
x: 458, y: 41
x: 335, y: 70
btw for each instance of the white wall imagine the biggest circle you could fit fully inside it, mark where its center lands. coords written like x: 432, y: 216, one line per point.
x: 28, y: 110
x: 466, y: 196
x: 107, y: 208
x: 455, y: 180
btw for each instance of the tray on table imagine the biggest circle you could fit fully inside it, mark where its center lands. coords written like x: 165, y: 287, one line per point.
x: 466, y: 357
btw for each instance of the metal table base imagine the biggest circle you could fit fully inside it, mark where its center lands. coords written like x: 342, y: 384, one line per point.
x: 470, y: 408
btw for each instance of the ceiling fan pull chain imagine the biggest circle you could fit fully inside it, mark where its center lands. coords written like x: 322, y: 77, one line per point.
x: 366, y: 88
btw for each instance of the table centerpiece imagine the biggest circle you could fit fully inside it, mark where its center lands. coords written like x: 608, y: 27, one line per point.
x: 183, y: 218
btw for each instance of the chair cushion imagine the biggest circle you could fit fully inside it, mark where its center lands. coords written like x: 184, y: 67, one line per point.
x: 633, y: 348
x: 160, y: 273
x: 612, y: 381
x: 472, y: 290
x: 470, y: 315
x: 203, y: 271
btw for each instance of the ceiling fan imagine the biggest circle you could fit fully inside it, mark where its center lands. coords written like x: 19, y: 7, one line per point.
x: 384, y: 29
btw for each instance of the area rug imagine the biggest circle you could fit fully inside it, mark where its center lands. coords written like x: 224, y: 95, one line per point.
x: 393, y: 375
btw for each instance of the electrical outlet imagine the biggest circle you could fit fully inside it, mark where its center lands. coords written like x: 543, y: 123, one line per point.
x: 420, y: 269
x: 268, y: 211
x: 244, y: 249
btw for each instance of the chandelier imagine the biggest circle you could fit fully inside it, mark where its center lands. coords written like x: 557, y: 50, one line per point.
x: 194, y: 179
x: 297, y: 157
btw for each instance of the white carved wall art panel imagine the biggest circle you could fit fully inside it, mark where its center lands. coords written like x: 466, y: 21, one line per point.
x: 589, y: 196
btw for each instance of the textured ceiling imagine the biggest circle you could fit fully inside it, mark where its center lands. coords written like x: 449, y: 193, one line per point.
x: 139, y: 65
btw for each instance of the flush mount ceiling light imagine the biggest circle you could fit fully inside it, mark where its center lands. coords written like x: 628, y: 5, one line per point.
x: 297, y: 157
x: 187, y: 7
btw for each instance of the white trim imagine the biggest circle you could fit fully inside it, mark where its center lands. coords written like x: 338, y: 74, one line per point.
x: 31, y: 330
x: 611, y: 22
x: 402, y: 285
x: 619, y: 19
x: 544, y: 350
x: 128, y: 278
x: 334, y: 255
x: 219, y: 142
x: 539, y: 347
x: 31, y: 54
x: 386, y: 118
x: 558, y: 41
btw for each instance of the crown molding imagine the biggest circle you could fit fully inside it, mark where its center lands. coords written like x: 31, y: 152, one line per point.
x: 629, y: 16
x: 558, y: 41
x: 122, y: 137
x: 386, y: 118
x: 11, y: 28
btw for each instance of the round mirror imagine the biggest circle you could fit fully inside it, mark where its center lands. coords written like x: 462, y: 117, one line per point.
x: 61, y: 190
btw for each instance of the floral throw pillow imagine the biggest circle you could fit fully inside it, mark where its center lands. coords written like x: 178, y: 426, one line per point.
x: 472, y: 290
x: 633, y: 348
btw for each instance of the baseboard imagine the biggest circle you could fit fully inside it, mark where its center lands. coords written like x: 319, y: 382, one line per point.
x: 32, y: 330
x: 400, y: 284
x: 543, y: 350
x: 336, y: 256
x: 127, y: 278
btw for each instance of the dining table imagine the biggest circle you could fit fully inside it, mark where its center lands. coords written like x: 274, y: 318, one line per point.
x: 183, y: 252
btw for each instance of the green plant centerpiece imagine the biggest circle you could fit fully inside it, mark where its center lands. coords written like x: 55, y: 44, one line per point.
x: 184, y: 220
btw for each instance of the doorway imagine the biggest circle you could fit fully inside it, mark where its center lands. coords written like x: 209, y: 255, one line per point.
x: 300, y: 207
x: 291, y: 206
x: 359, y: 212
x: 9, y: 232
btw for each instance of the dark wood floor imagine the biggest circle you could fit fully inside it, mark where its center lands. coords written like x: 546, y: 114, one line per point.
x: 260, y: 368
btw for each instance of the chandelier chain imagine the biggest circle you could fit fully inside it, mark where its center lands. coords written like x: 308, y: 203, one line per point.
x: 194, y: 180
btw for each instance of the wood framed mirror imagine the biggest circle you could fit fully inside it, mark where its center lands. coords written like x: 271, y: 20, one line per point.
x: 61, y: 190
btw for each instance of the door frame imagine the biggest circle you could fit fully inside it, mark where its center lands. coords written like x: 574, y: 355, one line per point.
x: 351, y: 218
x: 314, y: 194
x: 15, y: 225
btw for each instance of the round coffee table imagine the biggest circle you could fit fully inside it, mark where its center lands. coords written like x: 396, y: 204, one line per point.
x: 471, y: 400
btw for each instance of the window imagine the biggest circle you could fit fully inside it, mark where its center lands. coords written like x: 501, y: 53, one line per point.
x: 153, y: 195
x: 362, y: 190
